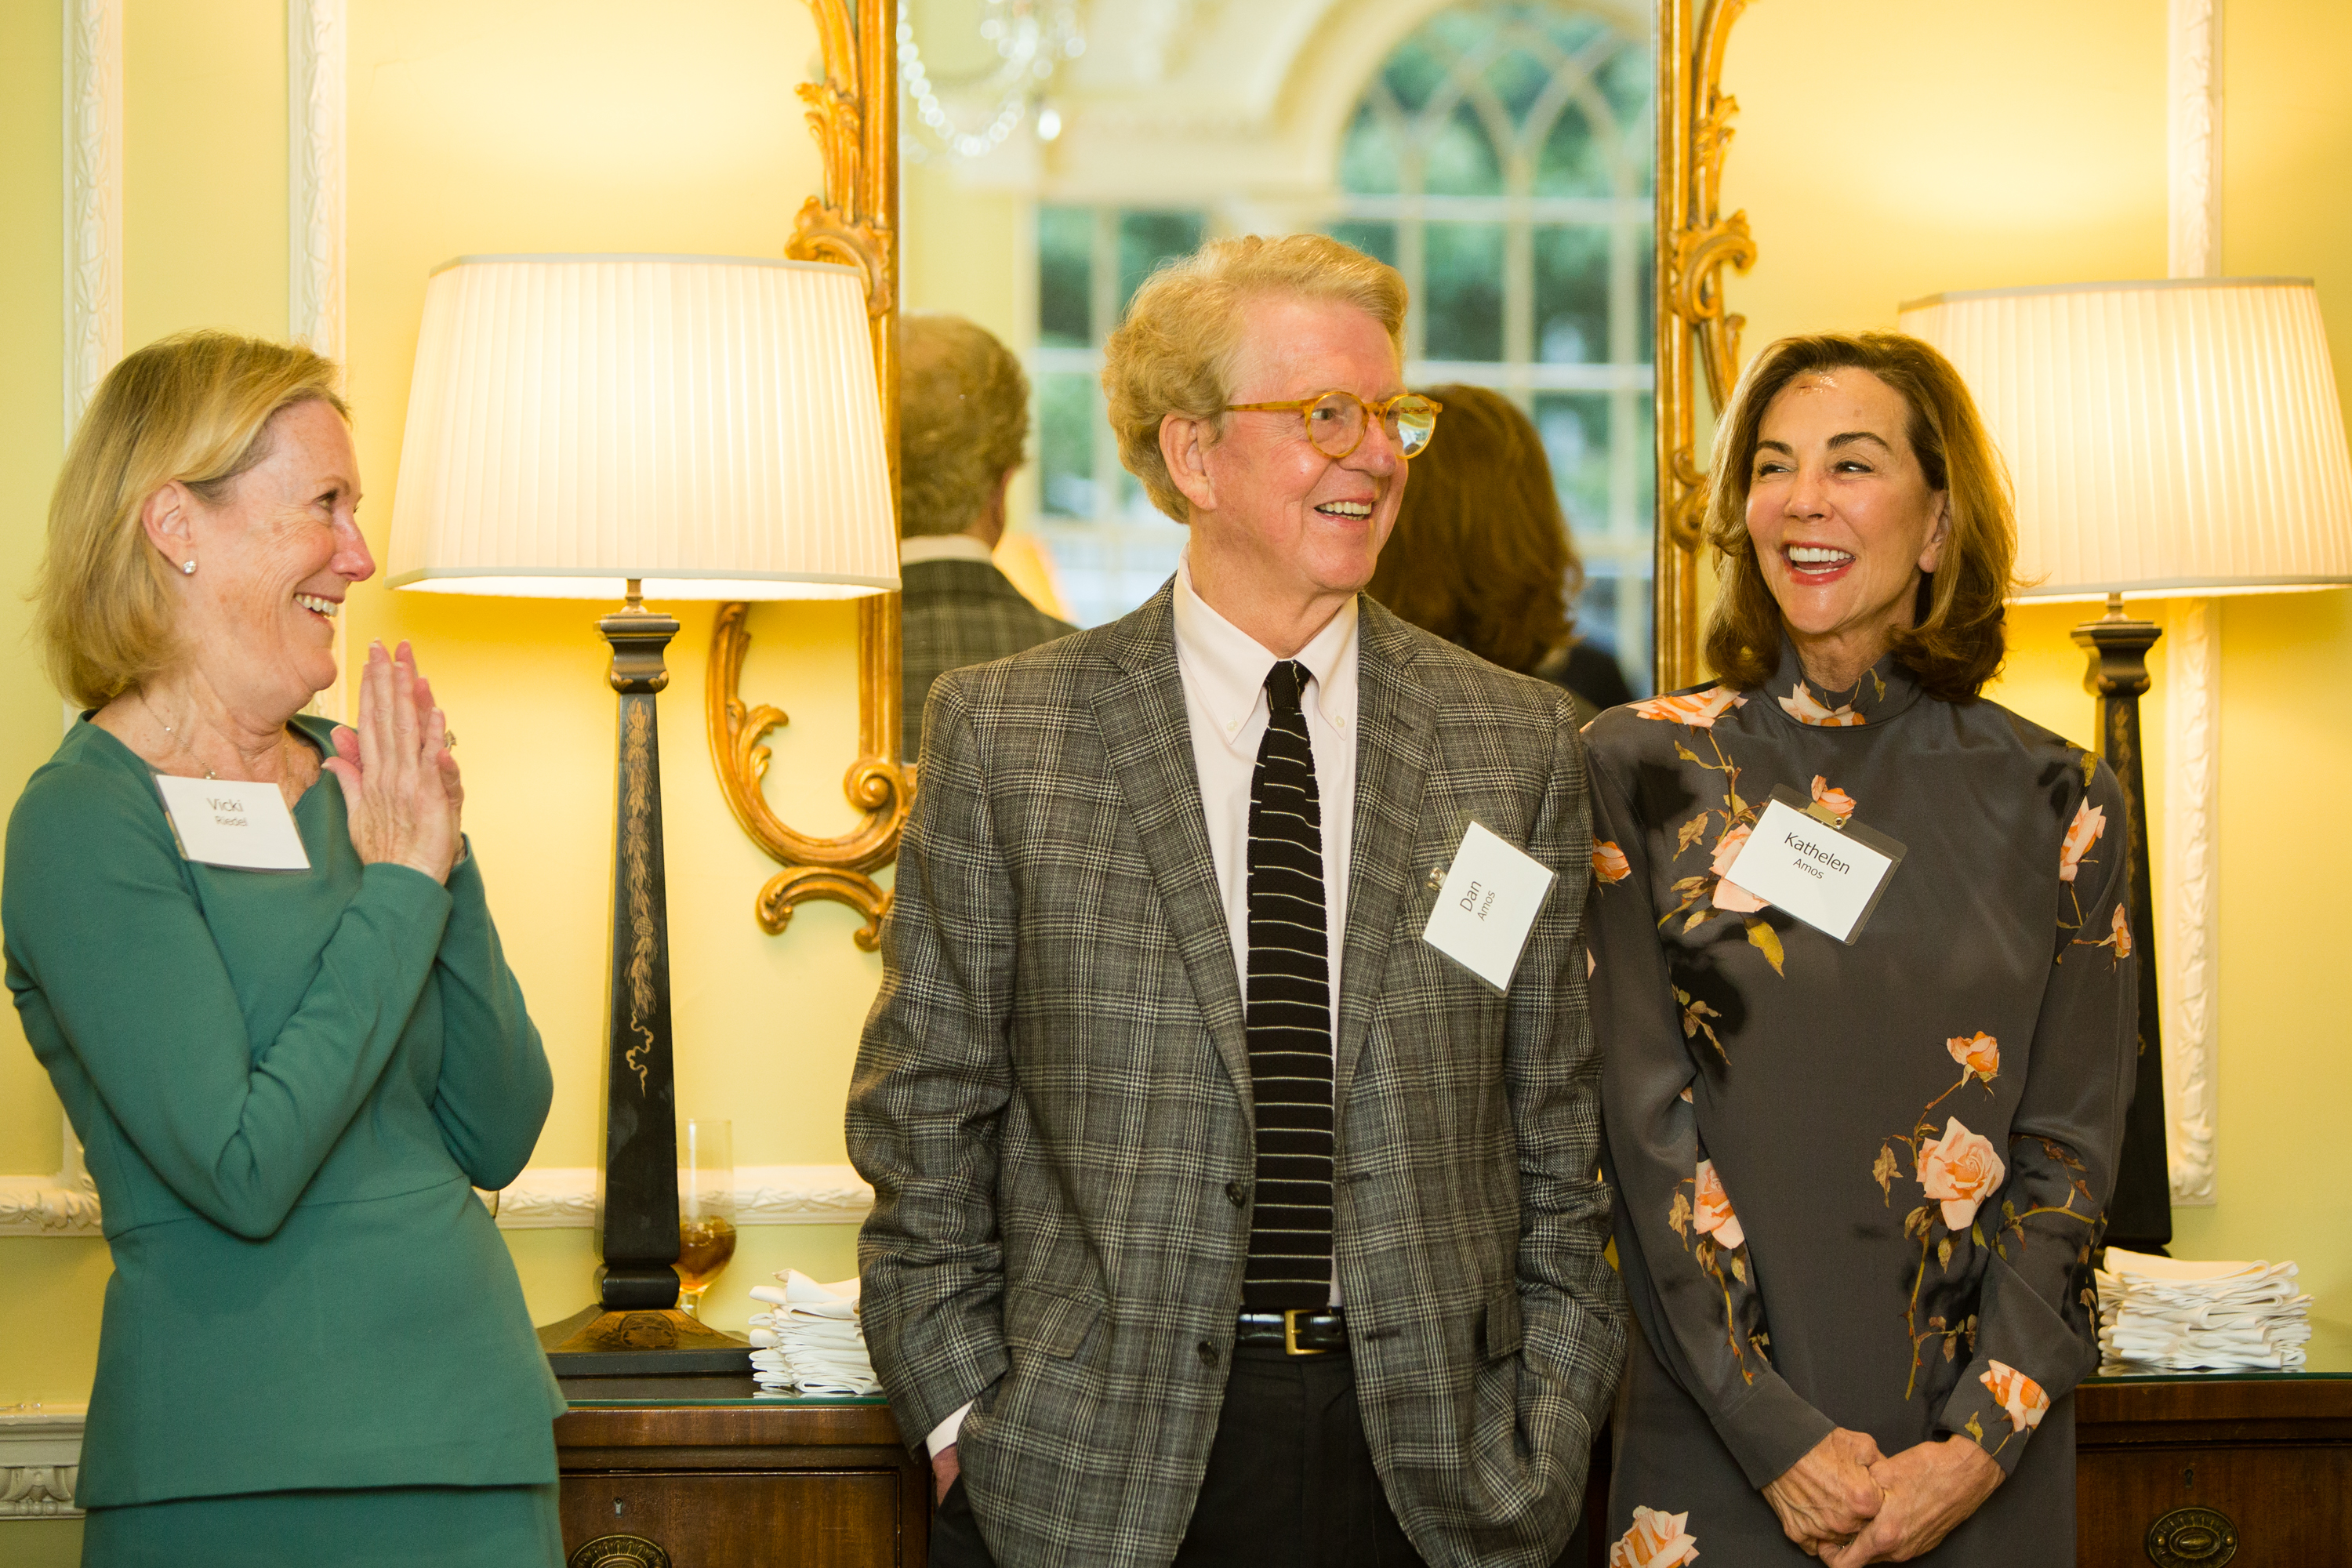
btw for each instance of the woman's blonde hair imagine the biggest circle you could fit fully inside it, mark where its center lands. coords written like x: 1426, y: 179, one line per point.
x: 964, y: 415
x: 1955, y: 644
x: 1174, y: 352
x: 1480, y: 553
x: 197, y: 408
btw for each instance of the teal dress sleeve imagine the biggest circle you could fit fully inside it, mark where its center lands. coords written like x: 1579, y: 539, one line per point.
x: 495, y: 1087
x: 106, y: 936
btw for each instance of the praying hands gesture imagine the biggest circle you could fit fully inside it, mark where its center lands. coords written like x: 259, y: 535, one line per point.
x: 400, y: 780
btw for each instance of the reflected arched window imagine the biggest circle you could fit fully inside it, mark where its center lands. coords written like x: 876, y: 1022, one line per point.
x: 1501, y: 159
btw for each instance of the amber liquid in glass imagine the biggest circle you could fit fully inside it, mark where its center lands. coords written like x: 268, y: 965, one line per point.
x: 704, y: 1248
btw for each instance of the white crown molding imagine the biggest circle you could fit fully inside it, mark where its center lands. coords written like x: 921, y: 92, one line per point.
x: 2188, y: 953
x: 93, y: 198
x: 2192, y: 120
x: 40, y: 1456
x: 544, y: 1198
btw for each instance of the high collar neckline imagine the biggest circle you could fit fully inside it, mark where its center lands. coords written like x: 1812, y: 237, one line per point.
x: 1885, y: 690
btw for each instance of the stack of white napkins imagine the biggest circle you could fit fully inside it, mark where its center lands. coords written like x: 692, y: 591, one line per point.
x: 809, y: 1341
x: 2171, y: 1313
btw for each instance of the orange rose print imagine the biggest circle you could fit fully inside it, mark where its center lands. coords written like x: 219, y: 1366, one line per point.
x: 1609, y: 862
x: 1656, y: 1540
x: 1806, y: 709
x: 1838, y: 803
x: 1699, y: 710
x: 1960, y: 1171
x: 1729, y: 895
x: 2122, y: 939
x: 1979, y: 1055
x: 1711, y: 1212
x: 2090, y: 821
x: 2019, y: 1395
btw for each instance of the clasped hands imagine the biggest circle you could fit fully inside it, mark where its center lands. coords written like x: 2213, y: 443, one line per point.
x: 1848, y: 1504
x: 400, y: 780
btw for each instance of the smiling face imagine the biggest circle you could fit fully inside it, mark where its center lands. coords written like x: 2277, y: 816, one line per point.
x: 273, y: 563
x: 1281, y: 534
x: 1842, y: 518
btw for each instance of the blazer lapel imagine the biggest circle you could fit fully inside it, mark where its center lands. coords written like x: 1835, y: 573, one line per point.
x: 1140, y: 712
x: 1393, y: 746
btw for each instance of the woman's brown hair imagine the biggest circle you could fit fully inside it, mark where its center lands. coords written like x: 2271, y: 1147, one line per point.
x: 1956, y: 645
x: 1480, y: 553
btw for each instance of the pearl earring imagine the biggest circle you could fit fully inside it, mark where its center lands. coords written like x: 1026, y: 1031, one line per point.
x: 188, y: 567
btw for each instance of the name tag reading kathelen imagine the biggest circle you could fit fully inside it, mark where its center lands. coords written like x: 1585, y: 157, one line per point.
x: 223, y: 823
x: 1484, y: 912
x: 1827, y: 877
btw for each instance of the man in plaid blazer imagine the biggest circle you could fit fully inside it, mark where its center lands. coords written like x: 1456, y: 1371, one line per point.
x: 963, y: 418
x: 1054, y: 1099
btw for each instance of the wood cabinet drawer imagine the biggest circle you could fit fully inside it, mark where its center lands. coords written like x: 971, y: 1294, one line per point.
x: 705, y: 1518
x: 2287, y: 1502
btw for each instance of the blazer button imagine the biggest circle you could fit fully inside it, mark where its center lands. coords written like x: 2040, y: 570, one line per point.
x: 1208, y: 1353
x: 1237, y: 1193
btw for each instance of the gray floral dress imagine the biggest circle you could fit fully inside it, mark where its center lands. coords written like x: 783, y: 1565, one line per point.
x: 1857, y: 1185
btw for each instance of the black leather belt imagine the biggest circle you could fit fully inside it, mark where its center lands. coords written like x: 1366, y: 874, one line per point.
x: 1300, y: 1332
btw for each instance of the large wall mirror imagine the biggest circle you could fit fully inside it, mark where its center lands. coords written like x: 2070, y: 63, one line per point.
x: 1543, y: 171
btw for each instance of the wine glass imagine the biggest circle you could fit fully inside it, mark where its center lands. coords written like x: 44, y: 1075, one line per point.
x: 706, y: 1208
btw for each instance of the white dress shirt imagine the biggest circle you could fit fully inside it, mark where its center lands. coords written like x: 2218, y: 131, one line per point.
x: 1223, y: 672
x: 918, y: 547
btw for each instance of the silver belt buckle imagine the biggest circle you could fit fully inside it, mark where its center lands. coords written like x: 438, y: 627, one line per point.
x: 1290, y: 1345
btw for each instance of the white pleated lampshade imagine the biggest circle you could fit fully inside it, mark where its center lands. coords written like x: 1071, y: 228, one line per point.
x: 2179, y: 437
x: 706, y: 424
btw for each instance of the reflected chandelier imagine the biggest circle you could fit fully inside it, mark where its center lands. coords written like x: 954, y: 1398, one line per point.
x: 1033, y: 38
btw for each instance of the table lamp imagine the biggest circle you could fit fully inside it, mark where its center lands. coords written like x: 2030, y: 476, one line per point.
x: 619, y: 428
x: 2168, y: 439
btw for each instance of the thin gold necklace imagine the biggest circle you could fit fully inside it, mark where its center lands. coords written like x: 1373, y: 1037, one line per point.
x: 177, y: 739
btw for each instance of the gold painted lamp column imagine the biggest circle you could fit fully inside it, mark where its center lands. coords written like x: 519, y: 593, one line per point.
x: 634, y: 427
x: 2171, y: 438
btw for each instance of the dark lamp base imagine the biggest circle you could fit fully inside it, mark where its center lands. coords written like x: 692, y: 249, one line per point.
x: 593, y: 1342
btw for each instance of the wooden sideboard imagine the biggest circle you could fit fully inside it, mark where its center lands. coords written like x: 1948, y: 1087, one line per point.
x: 718, y: 1480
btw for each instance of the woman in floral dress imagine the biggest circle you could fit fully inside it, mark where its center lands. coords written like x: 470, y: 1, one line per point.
x: 1858, y: 1181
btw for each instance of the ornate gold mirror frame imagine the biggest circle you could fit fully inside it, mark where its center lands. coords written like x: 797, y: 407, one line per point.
x: 1694, y: 243
x: 853, y: 115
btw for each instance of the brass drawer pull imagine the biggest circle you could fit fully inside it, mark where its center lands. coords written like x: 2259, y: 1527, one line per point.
x: 627, y: 1551
x: 2185, y: 1538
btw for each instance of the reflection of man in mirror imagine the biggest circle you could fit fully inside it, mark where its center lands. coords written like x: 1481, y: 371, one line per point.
x: 1219, y: 1219
x: 963, y: 414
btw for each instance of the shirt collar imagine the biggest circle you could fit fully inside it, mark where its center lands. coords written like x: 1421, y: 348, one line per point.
x: 921, y: 547
x: 1227, y: 667
x: 1885, y: 690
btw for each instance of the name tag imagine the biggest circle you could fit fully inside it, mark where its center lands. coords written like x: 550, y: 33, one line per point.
x: 223, y: 822
x: 1828, y: 877
x: 1487, y: 906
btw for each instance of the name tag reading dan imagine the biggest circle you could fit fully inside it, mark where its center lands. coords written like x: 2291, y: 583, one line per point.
x: 1487, y: 905
x: 1827, y: 877
x: 223, y: 822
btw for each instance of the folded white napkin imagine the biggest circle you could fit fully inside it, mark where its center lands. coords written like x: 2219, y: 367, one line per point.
x: 2182, y: 1314
x: 809, y: 1341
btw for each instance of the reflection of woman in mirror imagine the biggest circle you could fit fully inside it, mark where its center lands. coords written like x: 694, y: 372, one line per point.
x: 1481, y: 553
x: 285, y: 1079
x: 1858, y: 1182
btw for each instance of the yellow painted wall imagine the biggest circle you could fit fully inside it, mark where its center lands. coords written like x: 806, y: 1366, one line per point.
x: 475, y: 126
x: 1888, y: 151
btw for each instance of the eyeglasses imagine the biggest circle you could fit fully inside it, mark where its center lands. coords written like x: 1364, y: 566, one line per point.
x: 1335, y: 421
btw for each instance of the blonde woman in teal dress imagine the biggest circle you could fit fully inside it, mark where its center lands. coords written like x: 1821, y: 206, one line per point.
x: 314, y: 1350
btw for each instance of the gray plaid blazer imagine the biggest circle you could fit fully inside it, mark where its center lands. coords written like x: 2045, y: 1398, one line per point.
x: 955, y: 613
x: 1052, y: 1103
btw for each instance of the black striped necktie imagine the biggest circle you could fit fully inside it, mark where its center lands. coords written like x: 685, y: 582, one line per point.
x: 1288, y: 1014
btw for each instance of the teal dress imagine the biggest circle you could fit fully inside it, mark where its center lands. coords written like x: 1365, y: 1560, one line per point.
x: 285, y: 1084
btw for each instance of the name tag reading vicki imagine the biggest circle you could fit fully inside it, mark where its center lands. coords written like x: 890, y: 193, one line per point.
x: 223, y: 822
x: 1489, y: 902
x: 1827, y: 877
